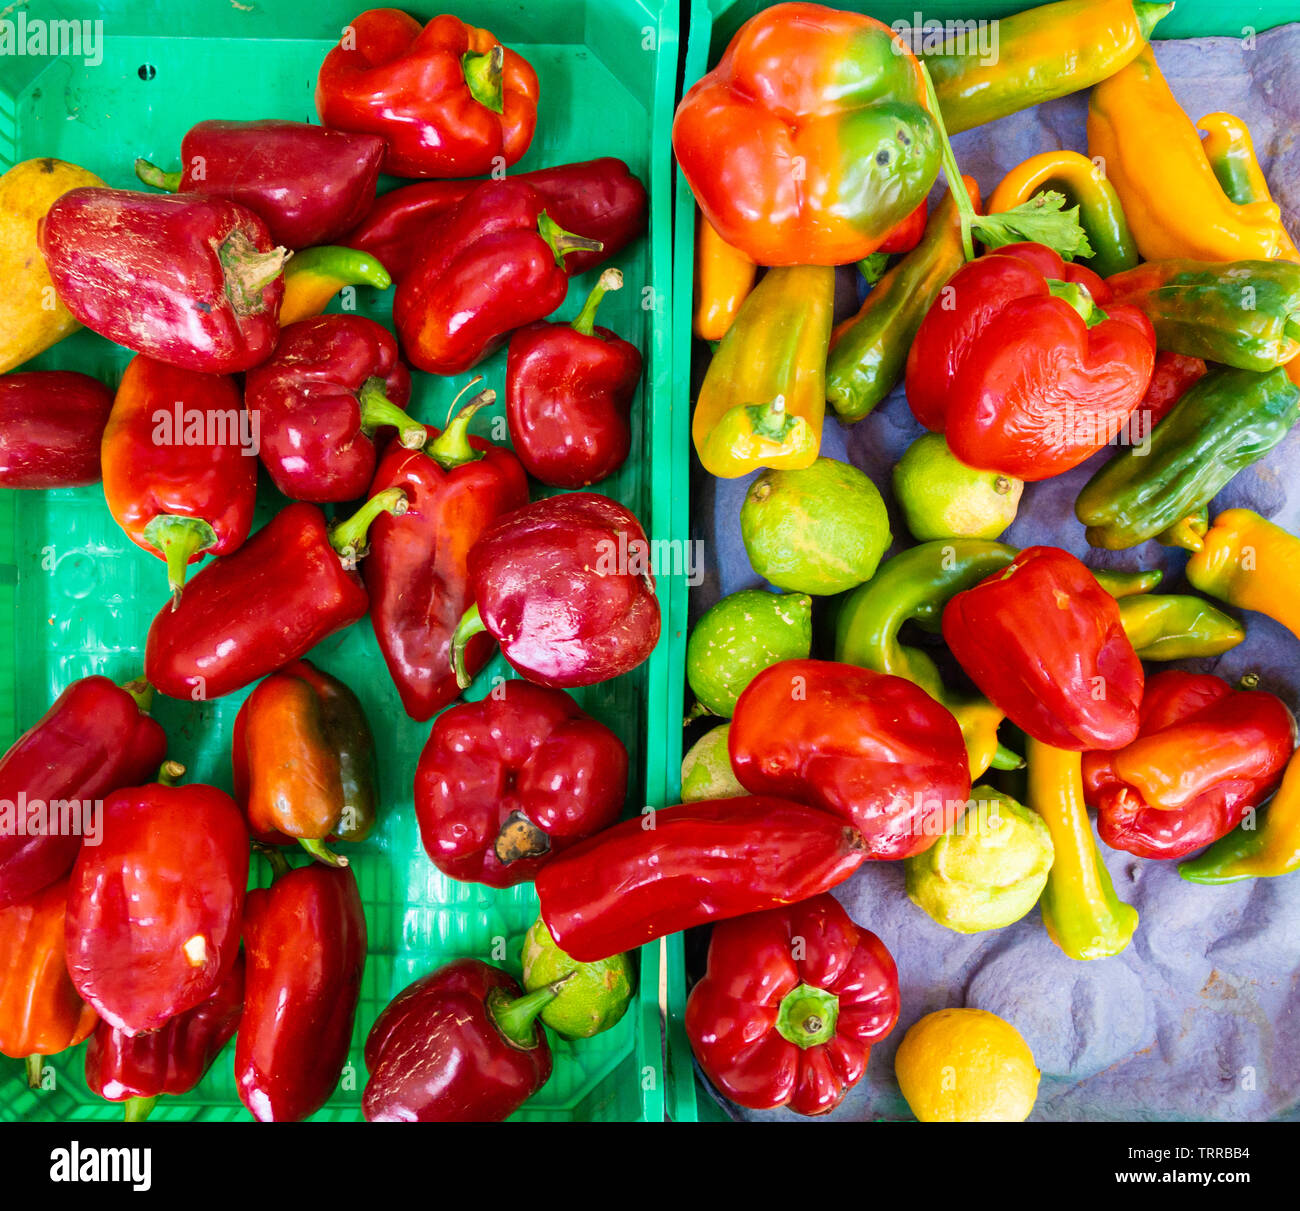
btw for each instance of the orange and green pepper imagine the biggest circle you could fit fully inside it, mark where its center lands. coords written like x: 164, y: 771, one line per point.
x: 724, y: 276
x: 1252, y: 564
x: 314, y: 276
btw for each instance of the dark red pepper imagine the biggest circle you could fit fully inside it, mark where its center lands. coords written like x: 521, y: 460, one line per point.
x: 506, y: 783
x: 1174, y: 373
x: 305, y: 943
x: 687, y: 865
x: 496, y: 264
x: 333, y: 381
x: 569, y: 390
x: 600, y: 199
x: 138, y: 1069
x: 460, y: 1045
x: 564, y: 586
x: 180, y: 465
x: 1204, y: 756
x: 288, y: 587
x: 154, y: 909
x: 95, y: 738
x: 790, y: 1006
x: 417, y: 570
x: 308, y: 184
x: 449, y: 99
x: 51, y: 423
x: 195, y: 282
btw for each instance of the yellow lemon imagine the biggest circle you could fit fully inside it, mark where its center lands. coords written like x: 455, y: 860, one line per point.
x: 966, y: 1066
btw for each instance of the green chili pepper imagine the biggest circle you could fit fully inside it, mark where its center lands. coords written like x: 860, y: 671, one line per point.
x: 1177, y: 627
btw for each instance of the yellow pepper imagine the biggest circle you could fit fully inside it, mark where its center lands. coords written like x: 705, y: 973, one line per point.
x: 1153, y: 156
x: 1252, y: 564
x: 1084, y: 185
x: 314, y: 276
x: 763, y: 399
x: 1081, y: 911
x: 724, y: 276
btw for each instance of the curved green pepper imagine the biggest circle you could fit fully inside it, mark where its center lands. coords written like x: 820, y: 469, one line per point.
x: 1226, y: 421
x: 1238, y: 313
x: 1177, y: 627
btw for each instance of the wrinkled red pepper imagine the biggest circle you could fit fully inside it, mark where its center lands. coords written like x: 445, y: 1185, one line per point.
x: 332, y: 383
x: 51, y: 423
x: 96, y: 738
x: 564, y: 586
x: 417, y: 570
x: 450, y: 100
x: 599, y: 199
x: 1045, y: 643
x: 874, y: 749
x: 1174, y: 373
x: 686, y: 865
x: 1205, y: 754
x: 496, y: 264
x: 154, y: 909
x: 291, y: 585
x: 195, y: 282
x: 180, y: 468
x: 138, y: 1069
x: 569, y: 390
x: 1021, y: 369
x: 305, y: 943
x: 307, y: 183
x: 461, y: 1045
x: 790, y: 1006
x: 506, y: 783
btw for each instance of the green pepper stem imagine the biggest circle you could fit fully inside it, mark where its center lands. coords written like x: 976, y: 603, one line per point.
x: 452, y: 448
x: 1077, y: 297
x: 807, y: 1016
x: 873, y: 266
x: 471, y: 624
x: 151, y: 174
x: 771, y: 420
x: 141, y: 691
x: 378, y: 410
x: 483, y: 76
x: 249, y: 271
x: 952, y: 173
x: 514, y: 1019
x: 563, y: 242
x: 179, y: 539
x: 170, y: 773
x: 279, y: 863
x: 35, y: 1065
x: 321, y: 853
x: 137, y: 1109
x: 348, y: 537
x: 585, y: 321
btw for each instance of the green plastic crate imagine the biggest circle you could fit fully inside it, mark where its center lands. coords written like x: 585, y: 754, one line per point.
x: 712, y: 25
x: 77, y: 598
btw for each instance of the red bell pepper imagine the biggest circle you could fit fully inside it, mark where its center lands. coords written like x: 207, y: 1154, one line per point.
x: 461, y: 1045
x: 790, y: 1006
x: 138, y: 1069
x: 333, y: 381
x: 308, y: 184
x: 51, y: 423
x: 1174, y: 373
x: 564, y: 586
x: 1204, y: 756
x: 569, y: 390
x: 195, y: 282
x: 686, y: 865
x: 293, y: 584
x: 495, y: 265
x: 599, y: 199
x: 40, y: 1011
x: 505, y: 784
x: 154, y: 909
x: 450, y: 100
x: 1026, y: 375
x: 323, y: 761
x: 180, y: 464
x: 417, y: 570
x: 1045, y: 643
x: 875, y: 749
x: 95, y: 738
x: 305, y: 942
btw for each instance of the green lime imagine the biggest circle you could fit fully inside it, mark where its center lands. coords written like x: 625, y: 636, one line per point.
x: 820, y: 530
x: 593, y: 999
x: 941, y: 497
x: 706, y: 769
x: 741, y: 635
